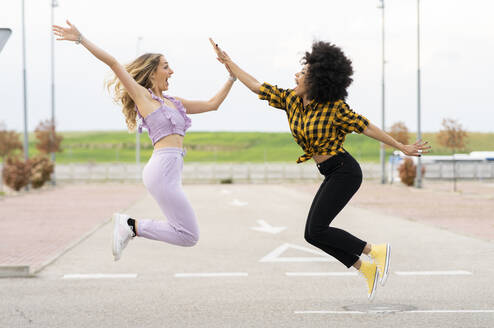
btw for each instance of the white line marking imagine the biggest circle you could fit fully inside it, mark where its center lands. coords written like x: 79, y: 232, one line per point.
x: 100, y: 276
x: 433, y: 273
x: 320, y: 274
x: 451, y: 311
x: 266, y: 227
x: 237, y: 202
x: 329, y: 312
x: 274, y: 256
x: 394, y: 312
x: 211, y: 274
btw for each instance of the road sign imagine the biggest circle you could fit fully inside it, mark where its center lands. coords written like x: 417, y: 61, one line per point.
x: 4, y: 36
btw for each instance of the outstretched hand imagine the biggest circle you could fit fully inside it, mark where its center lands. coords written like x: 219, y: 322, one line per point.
x: 70, y: 33
x: 417, y: 149
x: 222, y: 55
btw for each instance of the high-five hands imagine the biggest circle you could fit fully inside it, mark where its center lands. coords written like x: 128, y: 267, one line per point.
x: 222, y: 56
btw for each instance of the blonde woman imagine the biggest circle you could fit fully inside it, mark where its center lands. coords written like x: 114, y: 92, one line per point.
x: 139, y: 87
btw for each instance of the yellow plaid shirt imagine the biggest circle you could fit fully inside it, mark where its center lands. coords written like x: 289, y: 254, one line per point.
x: 319, y: 128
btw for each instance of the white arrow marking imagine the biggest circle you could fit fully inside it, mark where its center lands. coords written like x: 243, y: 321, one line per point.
x: 236, y: 202
x: 274, y: 256
x: 266, y: 227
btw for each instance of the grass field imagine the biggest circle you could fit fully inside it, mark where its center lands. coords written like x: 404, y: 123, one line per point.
x: 106, y: 146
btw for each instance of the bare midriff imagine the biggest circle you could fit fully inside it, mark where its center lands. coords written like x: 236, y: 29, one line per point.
x: 321, y: 158
x: 170, y: 141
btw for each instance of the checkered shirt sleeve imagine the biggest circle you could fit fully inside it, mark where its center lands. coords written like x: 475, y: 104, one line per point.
x: 348, y: 121
x: 275, y: 96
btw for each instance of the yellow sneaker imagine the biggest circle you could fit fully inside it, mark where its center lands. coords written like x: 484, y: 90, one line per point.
x: 371, y: 274
x: 381, y: 254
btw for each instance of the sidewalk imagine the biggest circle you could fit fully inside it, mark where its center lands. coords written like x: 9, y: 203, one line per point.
x: 39, y: 226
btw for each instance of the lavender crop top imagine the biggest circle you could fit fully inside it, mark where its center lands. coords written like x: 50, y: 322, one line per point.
x: 164, y: 120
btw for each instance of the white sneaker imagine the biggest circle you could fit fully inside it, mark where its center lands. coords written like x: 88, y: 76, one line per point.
x: 121, y: 234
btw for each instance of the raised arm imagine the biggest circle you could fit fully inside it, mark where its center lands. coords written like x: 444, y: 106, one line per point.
x: 248, y: 80
x: 71, y: 33
x: 416, y: 149
x: 198, y: 106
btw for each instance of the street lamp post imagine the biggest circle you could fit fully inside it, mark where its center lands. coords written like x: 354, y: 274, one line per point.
x: 418, y: 180
x: 54, y: 4
x: 26, y: 145
x: 138, y: 136
x: 381, y: 152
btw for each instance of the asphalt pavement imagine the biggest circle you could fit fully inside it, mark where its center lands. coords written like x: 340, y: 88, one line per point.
x: 252, y: 268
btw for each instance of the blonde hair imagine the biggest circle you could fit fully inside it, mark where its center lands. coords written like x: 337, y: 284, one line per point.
x: 141, y: 70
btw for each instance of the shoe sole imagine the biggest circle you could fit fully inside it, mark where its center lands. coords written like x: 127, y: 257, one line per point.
x: 114, y: 239
x: 386, y: 265
x: 376, y: 280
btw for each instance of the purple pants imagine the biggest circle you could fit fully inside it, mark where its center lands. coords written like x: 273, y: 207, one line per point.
x: 162, y: 177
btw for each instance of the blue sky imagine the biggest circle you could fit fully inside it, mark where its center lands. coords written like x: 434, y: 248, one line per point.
x: 267, y: 39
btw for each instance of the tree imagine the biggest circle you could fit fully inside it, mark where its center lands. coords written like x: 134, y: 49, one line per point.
x: 408, y: 171
x: 48, y: 140
x: 399, y: 132
x: 9, y: 142
x: 40, y: 169
x: 15, y: 173
x: 454, y: 137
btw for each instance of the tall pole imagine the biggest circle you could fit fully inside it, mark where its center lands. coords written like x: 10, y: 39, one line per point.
x: 138, y: 136
x: 52, y: 132
x: 418, y: 180
x: 382, y: 153
x: 26, y: 145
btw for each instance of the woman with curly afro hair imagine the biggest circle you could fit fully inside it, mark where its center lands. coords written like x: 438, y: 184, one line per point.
x: 319, y: 120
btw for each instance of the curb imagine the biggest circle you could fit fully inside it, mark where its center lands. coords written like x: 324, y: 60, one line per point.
x: 12, y: 271
x: 36, y: 270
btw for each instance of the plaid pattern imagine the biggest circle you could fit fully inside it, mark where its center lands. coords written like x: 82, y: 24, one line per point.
x: 320, y: 129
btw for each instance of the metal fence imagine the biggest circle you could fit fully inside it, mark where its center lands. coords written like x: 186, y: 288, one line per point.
x: 256, y: 172
x: 478, y: 170
x: 203, y: 172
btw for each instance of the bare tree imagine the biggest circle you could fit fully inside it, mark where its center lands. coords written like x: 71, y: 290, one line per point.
x: 48, y: 140
x: 15, y: 172
x: 408, y: 171
x: 399, y: 132
x: 454, y: 137
x: 9, y: 142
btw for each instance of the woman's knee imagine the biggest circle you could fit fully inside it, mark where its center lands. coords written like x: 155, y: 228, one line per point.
x: 191, y: 239
x: 315, y: 234
x: 310, y: 238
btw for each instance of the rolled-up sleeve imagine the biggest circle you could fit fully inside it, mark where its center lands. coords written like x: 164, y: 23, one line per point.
x: 275, y: 96
x: 349, y: 121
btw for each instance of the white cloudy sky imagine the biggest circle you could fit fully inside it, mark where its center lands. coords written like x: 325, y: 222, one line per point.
x: 267, y: 39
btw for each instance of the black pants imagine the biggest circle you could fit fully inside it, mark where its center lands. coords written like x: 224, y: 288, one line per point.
x: 343, y: 177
